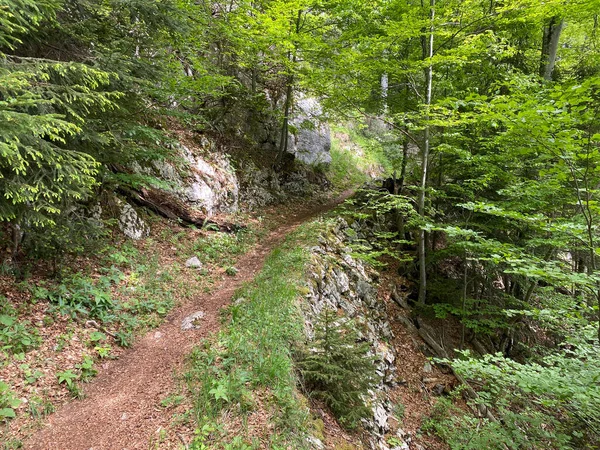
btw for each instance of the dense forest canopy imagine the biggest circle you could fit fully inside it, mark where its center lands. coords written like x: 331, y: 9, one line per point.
x: 488, y: 112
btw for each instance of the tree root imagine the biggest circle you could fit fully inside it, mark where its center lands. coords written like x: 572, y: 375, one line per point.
x: 426, y: 333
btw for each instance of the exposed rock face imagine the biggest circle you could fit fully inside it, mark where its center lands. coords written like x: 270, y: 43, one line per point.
x: 260, y: 187
x: 205, y: 180
x: 339, y: 281
x: 311, y: 141
x: 212, y: 186
x: 131, y: 224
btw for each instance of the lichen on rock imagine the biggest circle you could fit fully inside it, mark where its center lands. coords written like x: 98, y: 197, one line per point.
x: 131, y: 224
x: 339, y: 281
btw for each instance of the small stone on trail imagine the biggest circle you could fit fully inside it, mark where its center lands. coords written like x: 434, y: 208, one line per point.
x: 190, y: 322
x: 231, y: 271
x: 193, y: 263
x: 157, y: 335
x: 124, y: 416
x: 427, y: 368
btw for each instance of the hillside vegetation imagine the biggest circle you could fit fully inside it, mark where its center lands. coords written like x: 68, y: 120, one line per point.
x: 143, y: 141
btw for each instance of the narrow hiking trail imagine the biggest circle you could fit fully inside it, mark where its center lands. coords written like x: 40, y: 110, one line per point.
x: 121, y: 409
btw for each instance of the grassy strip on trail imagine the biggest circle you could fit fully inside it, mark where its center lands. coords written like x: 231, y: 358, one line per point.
x: 242, y: 380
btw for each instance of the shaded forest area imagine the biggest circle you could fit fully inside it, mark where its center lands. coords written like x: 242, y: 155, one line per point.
x: 487, y: 114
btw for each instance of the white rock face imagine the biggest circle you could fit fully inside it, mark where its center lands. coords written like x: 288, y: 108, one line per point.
x: 205, y: 180
x: 212, y: 186
x: 131, y: 224
x: 339, y: 281
x: 311, y: 142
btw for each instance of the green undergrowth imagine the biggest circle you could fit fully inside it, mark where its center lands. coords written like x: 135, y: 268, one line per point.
x: 355, y: 158
x: 127, y: 290
x: 248, y: 365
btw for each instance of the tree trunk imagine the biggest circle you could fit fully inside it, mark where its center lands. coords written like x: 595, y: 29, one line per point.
x: 550, y: 46
x: 283, y: 142
x: 17, y: 238
x: 384, y: 92
x: 425, y: 162
x: 400, y: 189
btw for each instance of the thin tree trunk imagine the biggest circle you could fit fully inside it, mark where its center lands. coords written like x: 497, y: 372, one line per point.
x: 384, y: 92
x: 550, y: 47
x: 400, y: 188
x: 283, y: 142
x: 425, y: 162
x: 17, y: 238
x: 464, y: 303
x: 401, y: 181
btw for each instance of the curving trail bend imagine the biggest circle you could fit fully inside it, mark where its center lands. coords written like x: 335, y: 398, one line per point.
x: 121, y: 409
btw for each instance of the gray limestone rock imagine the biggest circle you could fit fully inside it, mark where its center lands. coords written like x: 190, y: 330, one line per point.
x: 131, y: 224
x: 193, y: 263
x: 204, y: 179
x: 315, y: 443
x: 342, y: 282
x: 191, y: 322
x: 311, y: 141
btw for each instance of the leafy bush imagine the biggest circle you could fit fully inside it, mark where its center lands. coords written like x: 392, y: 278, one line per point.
x: 8, y: 402
x: 554, y: 403
x: 81, y: 295
x: 338, y: 368
x: 16, y: 336
x: 71, y: 235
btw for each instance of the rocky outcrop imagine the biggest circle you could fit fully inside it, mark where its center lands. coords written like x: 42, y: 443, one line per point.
x: 264, y: 186
x: 338, y: 280
x: 131, y: 224
x: 310, y: 142
x: 259, y: 186
x: 202, y: 178
x: 212, y: 183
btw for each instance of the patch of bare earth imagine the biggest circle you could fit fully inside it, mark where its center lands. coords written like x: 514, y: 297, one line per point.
x: 416, y: 377
x: 122, y: 408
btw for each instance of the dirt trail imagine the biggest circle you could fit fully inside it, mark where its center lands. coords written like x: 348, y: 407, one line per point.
x: 121, y: 409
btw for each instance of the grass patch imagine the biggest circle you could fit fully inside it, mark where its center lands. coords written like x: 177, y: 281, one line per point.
x: 355, y: 158
x: 248, y: 367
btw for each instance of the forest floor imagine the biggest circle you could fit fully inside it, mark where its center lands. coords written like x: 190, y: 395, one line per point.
x: 121, y: 407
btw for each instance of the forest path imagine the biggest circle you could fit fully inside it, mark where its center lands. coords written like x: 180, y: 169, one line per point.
x: 121, y: 409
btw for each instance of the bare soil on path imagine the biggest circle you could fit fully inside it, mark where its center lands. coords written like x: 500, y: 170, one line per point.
x: 121, y: 408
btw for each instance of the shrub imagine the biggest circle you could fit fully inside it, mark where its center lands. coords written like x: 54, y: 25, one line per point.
x: 72, y: 234
x: 338, y: 368
x: 16, y: 336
